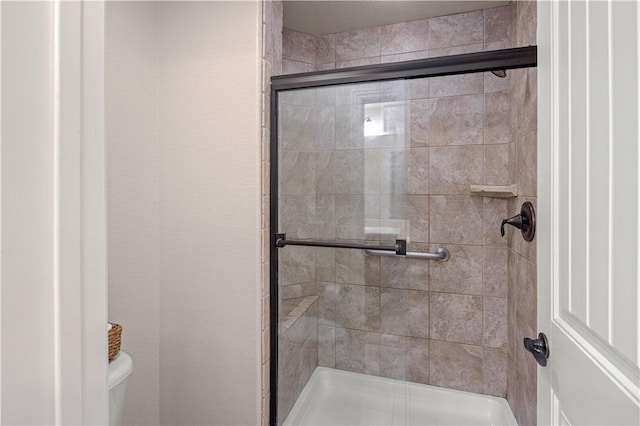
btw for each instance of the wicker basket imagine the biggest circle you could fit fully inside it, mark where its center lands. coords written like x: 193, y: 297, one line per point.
x: 115, y: 336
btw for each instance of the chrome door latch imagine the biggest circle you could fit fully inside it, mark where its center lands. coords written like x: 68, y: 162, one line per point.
x: 539, y: 348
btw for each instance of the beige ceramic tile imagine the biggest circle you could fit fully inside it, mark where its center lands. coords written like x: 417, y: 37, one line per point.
x: 298, y: 46
x: 325, y: 173
x: 417, y: 213
x: 349, y: 172
x: 404, y: 273
x: 496, y: 165
x: 297, y: 173
x: 358, y: 62
x: 527, y: 101
x: 526, y: 23
x: 325, y: 128
x: 496, y: 23
x: 526, y: 147
x: 409, y: 56
x: 526, y: 290
x: 456, y: 30
x: 298, y: 265
x: 457, y: 120
x: 495, y: 271
x: 325, y: 96
x: 357, y: 44
x: 417, y: 360
x: 456, y: 318
x: 296, y: 126
x: 358, y: 94
x: 461, y: 274
x: 495, y: 84
x: 497, y: 120
x: 455, y: 219
x: 393, y: 357
x: 455, y: 85
x: 497, y: 45
x: 454, y: 169
x: 392, y: 207
x: 456, y: 50
x: 392, y: 170
x: 494, y: 211
x: 349, y: 127
x: 404, y: 37
x: 456, y: 366
x: 495, y: 372
x: 328, y: 295
x: 326, y: 346
x: 325, y: 217
x: 419, y: 88
x: 296, y: 67
x: 417, y: 174
x: 326, y: 52
x: 358, y: 351
x: 326, y: 67
x: 297, y: 216
x: 358, y: 307
x: 405, y: 312
x: 325, y: 264
x: 495, y: 322
x: 526, y: 373
x: 421, y: 111
x: 294, y: 291
x: 351, y: 211
x: 355, y: 267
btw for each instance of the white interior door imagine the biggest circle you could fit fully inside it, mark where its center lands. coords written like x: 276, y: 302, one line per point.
x: 589, y: 195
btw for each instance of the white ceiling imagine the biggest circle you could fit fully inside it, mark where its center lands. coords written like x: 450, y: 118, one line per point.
x: 327, y: 17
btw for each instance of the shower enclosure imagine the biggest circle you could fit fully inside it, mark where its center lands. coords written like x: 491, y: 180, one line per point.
x: 372, y: 226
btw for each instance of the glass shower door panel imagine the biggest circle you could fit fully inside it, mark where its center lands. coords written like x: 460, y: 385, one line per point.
x: 342, y: 154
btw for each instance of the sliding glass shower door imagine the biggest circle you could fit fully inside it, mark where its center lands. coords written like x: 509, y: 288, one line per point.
x: 343, y: 156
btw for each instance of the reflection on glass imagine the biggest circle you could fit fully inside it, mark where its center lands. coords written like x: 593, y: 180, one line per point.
x: 384, y: 167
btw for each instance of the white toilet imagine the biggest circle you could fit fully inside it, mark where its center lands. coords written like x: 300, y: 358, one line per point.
x: 119, y: 369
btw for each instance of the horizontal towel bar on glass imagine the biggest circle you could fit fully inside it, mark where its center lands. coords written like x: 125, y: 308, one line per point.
x: 441, y: 254
x: 399, y: 248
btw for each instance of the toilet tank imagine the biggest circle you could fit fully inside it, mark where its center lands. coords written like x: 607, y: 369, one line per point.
x: 119, y: 370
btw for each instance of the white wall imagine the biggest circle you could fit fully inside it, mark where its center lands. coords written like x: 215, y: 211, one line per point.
x: 27, y: 215
x: 210, y: 73
x: 205, y: 292
x: 133, y: 198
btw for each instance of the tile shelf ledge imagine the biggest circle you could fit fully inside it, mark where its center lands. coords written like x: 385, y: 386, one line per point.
x: 495, y: 191
x: 298, y: 312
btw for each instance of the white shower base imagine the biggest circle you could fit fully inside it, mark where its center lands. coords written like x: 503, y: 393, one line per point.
x: 335, y: 397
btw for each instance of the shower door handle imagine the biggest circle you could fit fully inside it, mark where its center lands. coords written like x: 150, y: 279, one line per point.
x: 399, y: 247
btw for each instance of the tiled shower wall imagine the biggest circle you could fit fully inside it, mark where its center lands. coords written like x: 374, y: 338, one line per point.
x: 521, y: 390
x: 428, y: 322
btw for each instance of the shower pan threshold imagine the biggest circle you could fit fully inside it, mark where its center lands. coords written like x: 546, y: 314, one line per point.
x: 336, y: 397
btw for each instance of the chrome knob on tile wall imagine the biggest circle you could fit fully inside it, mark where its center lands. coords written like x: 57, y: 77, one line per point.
x: 525, y: 222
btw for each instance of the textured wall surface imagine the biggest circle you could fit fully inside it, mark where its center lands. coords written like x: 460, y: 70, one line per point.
x: 521, y: 392
x: 133, y: 198
x: 209, y: 96
x: 428, y: 322
x: 184, y: 179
